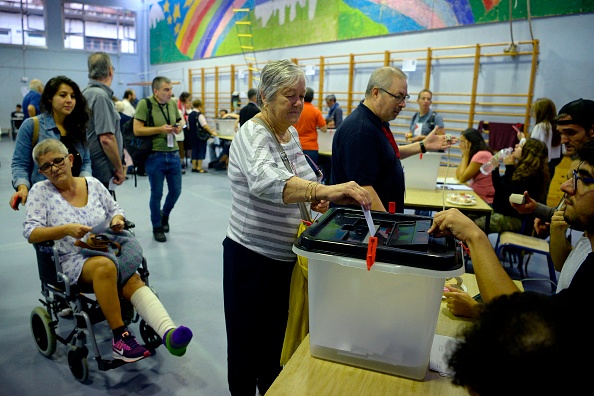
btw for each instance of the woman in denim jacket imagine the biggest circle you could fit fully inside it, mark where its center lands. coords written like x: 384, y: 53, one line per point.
x: 64, y: 117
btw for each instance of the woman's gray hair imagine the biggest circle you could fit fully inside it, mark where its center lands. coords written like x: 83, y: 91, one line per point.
x: 383, y: 78
x: 277, y: 75
x: 48, y: 146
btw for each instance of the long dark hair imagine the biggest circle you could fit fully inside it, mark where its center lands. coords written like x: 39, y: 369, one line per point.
x: 477, y: 143
x: 534, y: 164
x: 76, y: 122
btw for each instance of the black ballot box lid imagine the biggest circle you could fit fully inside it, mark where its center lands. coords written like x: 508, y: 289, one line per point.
x: 402, y: 239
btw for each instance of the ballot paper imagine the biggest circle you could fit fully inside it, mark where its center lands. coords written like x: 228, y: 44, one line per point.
x: 101, y: 227
x: 440, y: 352
x: 369, y: 221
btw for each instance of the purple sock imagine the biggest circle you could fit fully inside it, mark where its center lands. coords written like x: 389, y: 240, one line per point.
x: 176, y: 340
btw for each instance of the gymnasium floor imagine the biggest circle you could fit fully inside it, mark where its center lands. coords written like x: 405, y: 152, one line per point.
x: 186, y: 272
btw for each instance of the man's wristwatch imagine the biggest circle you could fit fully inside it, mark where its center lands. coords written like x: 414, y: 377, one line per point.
x: 423, y: 149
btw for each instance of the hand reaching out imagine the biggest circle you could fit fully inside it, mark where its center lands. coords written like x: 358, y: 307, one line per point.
x: 76, y: 230
x: 461, y: 303
x: 526, y: 208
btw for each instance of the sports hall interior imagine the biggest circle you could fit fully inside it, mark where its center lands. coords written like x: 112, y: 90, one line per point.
x: 477, y: 72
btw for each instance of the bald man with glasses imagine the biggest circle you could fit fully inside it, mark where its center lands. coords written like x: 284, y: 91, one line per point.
x: 364, y: 148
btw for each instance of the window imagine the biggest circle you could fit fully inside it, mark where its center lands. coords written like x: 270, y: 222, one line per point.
x: 23, y: 22
x: 97, y: 28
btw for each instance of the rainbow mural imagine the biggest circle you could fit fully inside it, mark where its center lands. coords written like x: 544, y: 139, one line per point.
x: 196, y: 29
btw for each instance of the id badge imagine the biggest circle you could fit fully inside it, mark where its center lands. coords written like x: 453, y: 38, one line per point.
x: 418, y: 129
x: 170, y: 140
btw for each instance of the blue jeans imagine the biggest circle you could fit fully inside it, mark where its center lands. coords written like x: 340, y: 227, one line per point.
x: 161, y: 165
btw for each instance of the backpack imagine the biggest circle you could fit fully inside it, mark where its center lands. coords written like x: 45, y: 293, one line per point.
x: 139, y: 147
x: 201, y: 132
x: 430, y: 121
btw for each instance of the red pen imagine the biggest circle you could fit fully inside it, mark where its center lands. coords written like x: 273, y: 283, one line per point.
x: 371, y: 249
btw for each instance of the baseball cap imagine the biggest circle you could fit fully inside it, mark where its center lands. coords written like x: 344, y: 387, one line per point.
x: 580, y: 111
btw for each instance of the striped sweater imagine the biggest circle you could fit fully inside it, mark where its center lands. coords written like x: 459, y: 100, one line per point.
x: 259, y: 219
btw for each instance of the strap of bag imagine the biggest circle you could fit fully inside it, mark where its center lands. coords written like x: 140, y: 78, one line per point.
x: 305, y: 213
x: 432, y: 120
x: 35, y: 136
x: 149, y: 108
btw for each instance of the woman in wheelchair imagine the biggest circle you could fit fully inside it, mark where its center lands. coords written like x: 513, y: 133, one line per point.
x: 64, y: 209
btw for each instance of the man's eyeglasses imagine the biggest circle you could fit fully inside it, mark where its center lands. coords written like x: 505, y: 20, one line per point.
x: 57, y: 162
x: 584, y: 180
x: 397, y: 98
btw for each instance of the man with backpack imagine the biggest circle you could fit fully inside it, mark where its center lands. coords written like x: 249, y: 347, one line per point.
x: 421, y: 125
x: 157, y: 117
x: 425, y: 120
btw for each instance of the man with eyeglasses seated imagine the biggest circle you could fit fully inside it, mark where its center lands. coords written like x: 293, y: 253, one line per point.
x: 364, y: 148
x: 493, y: 280
x: 575, y: 121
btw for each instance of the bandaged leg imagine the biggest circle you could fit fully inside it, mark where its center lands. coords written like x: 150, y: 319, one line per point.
x: 148, y: 306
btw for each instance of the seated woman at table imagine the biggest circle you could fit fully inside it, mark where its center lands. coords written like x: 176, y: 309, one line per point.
x: 526, y: 169
x: 475, y: 153
x: 64, y: 209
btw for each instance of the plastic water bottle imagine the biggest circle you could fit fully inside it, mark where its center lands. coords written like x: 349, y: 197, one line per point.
x: 495, y: 160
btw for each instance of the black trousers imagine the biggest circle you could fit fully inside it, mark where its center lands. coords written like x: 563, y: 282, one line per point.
x: 256, y: 298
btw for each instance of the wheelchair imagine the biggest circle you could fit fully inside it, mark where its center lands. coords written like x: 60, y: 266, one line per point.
x: 58, y: 293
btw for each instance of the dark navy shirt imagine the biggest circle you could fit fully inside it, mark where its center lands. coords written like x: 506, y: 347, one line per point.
x: 362, y: 153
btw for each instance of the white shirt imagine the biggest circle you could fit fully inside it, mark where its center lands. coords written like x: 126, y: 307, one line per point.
x: 129, y: 110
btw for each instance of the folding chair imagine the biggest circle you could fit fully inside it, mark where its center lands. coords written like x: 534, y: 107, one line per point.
x: 524, y: 246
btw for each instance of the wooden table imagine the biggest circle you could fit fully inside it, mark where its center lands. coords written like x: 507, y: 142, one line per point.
x: 306, y: 375
x: 226, y: 137
x: 436, y: 200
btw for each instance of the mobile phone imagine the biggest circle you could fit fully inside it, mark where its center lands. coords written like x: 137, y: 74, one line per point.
x: 15, y: 202
x: 177, y: 125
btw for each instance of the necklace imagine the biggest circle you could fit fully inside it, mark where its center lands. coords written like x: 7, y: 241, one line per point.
x: 281, y: 137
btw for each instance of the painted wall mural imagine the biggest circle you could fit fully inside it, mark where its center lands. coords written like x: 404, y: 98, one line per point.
x: 182, y: 30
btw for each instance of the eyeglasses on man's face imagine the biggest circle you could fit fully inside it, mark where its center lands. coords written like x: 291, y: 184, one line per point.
x: 576, y: 177
x: 57, y: 162
x: 397, y: 98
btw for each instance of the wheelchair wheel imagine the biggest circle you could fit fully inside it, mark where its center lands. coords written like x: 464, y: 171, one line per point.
x: 150, y: 337
x: 77, y: 361
x: 43, y: 331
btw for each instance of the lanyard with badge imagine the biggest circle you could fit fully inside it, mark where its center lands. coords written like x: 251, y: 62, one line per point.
x: 170, y: 138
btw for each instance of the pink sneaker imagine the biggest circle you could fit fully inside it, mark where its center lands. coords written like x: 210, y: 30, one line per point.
x: 127, y: 349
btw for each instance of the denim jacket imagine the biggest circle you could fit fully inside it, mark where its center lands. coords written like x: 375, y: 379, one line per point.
x: 24, y: 169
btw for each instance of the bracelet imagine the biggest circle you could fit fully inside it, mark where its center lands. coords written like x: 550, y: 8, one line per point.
x: 423, y: 148
x: 315, y: 191
x: 305, y: 198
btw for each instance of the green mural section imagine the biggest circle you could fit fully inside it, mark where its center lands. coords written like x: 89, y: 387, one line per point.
x: 162, y: 44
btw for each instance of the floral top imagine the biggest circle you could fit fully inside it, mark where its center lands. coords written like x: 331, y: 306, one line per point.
x: 46, y: 207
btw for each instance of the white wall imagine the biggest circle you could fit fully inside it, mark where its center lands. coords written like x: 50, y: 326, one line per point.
x: 44, y: 63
